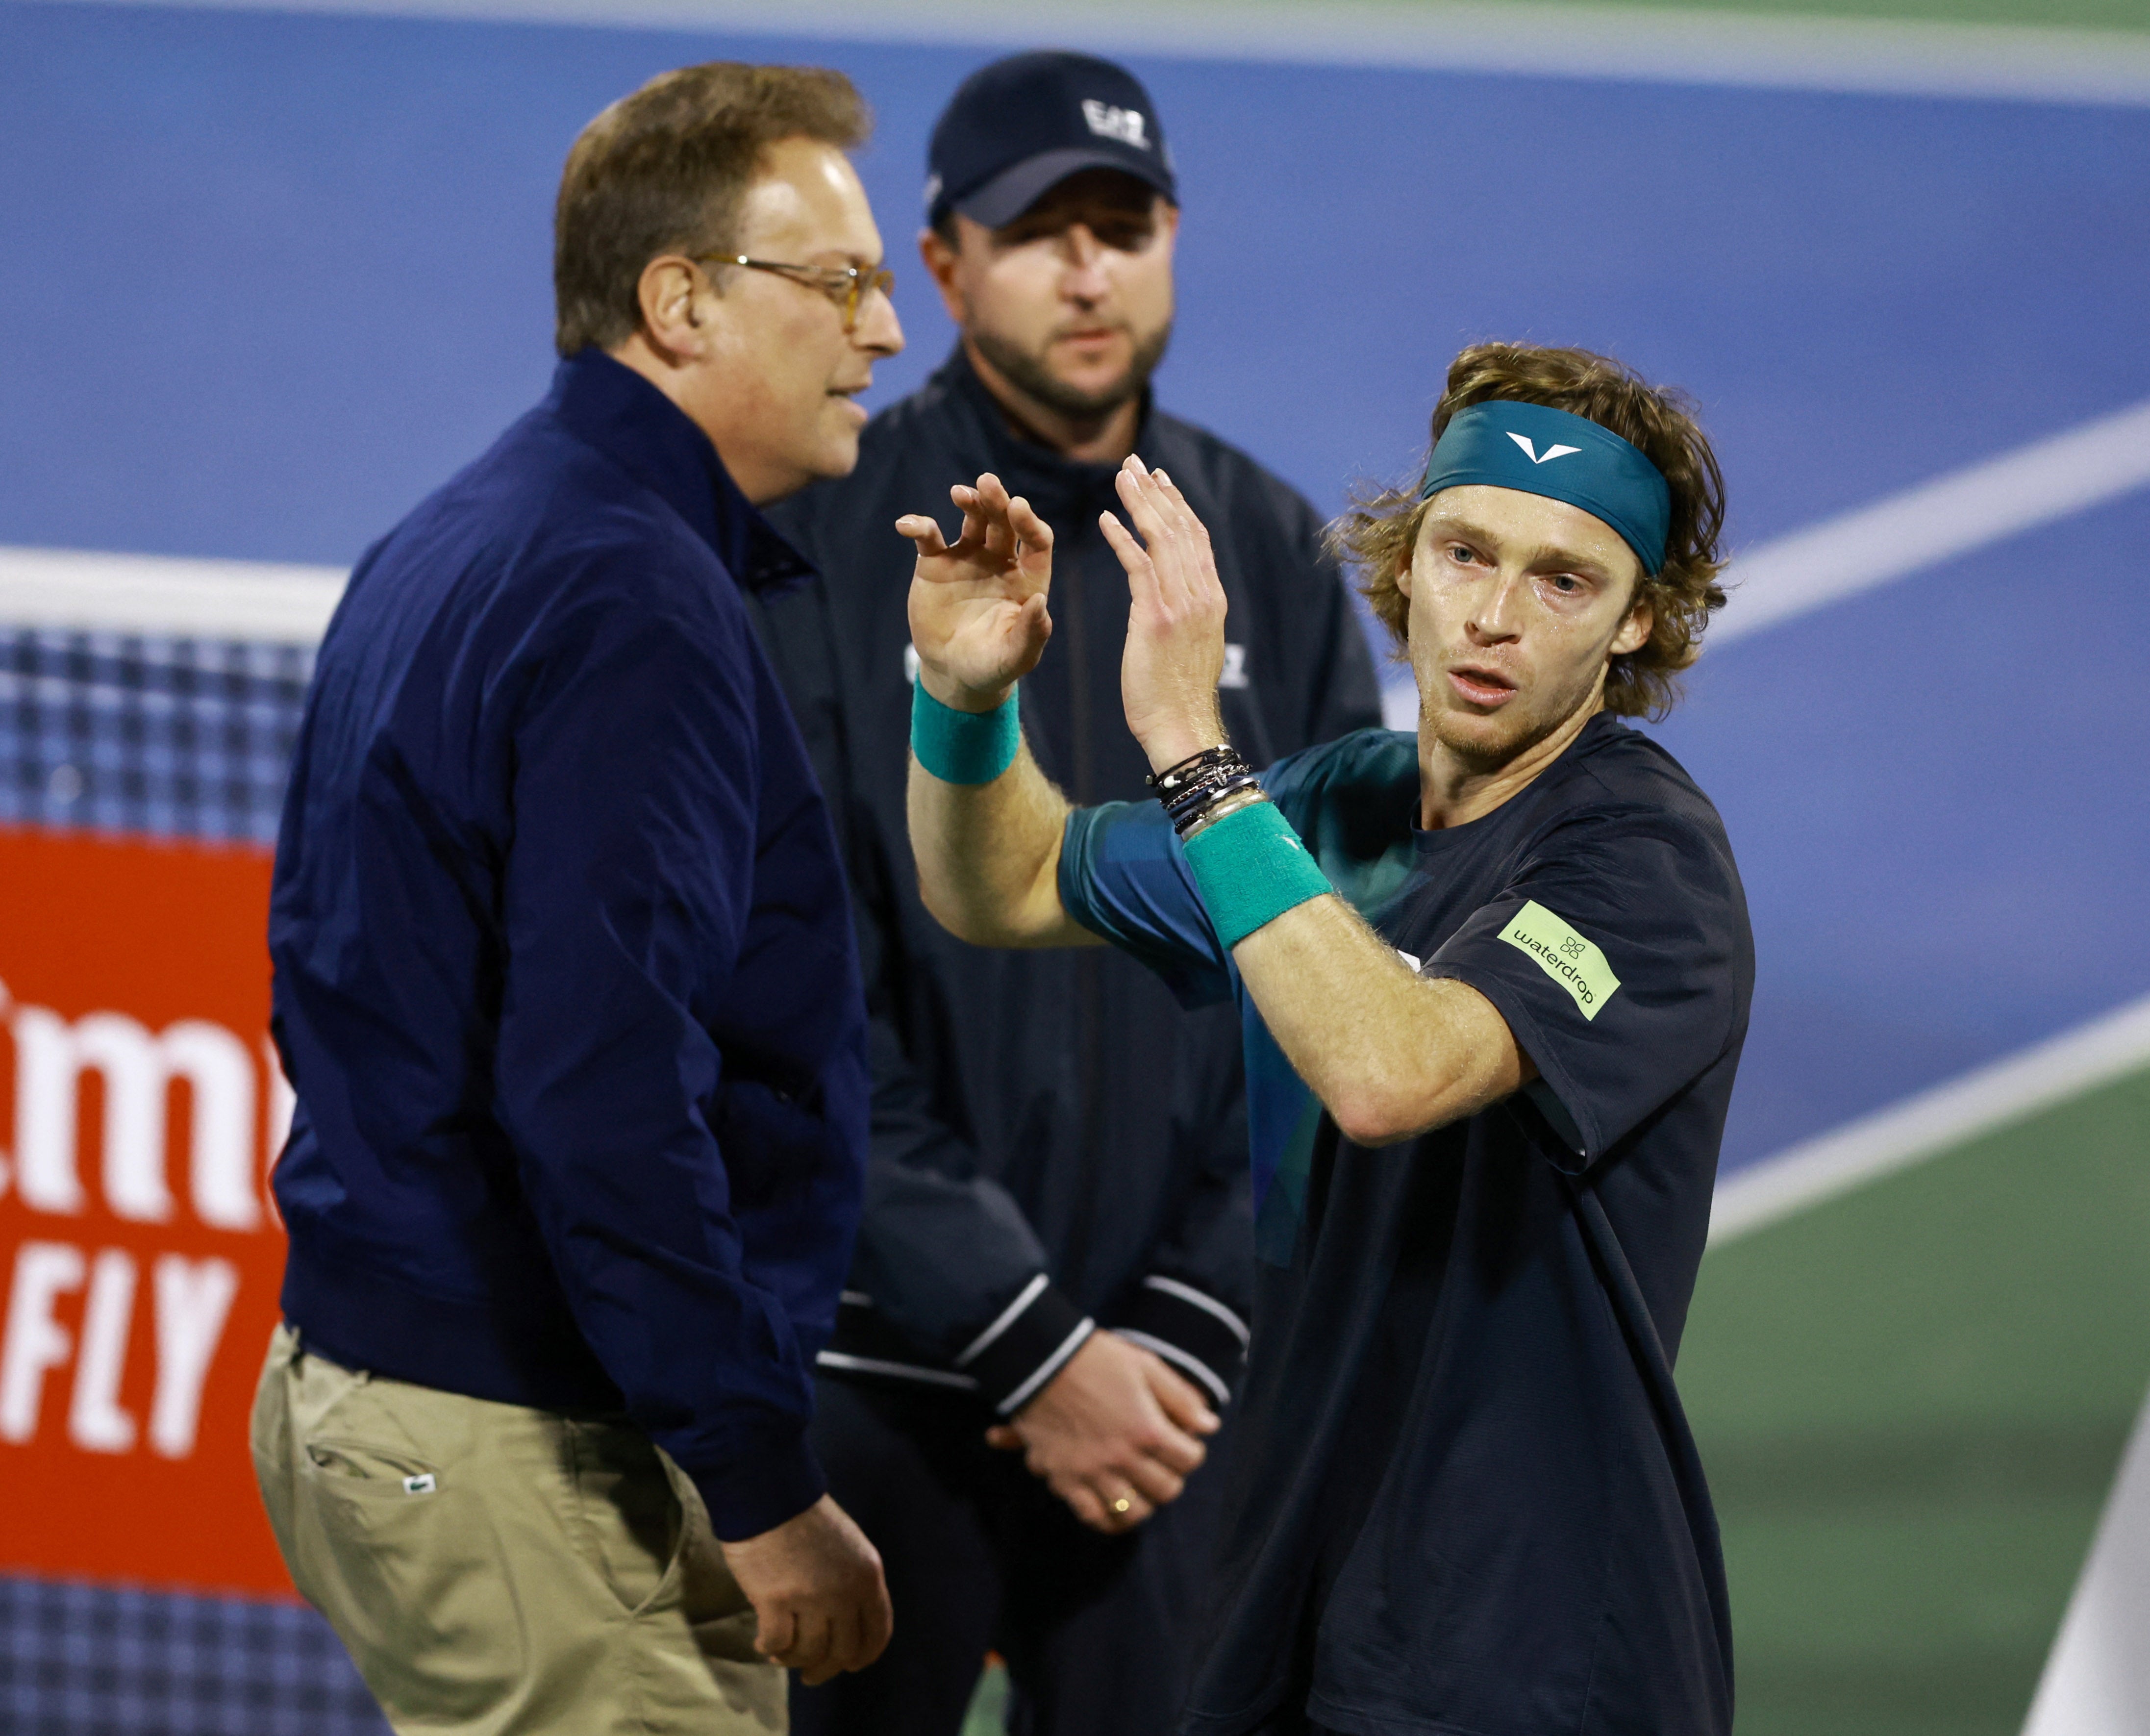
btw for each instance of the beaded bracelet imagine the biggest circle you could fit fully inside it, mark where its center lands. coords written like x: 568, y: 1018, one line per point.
x: 1190, y: 811
x: 1174, y: 781
x: 1188, y: 790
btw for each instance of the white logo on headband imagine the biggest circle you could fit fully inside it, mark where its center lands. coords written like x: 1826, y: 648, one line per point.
x: 1552, y: 452
x: 1107, y: 121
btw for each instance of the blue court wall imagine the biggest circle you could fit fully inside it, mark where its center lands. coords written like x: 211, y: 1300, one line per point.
x: 268, y: 278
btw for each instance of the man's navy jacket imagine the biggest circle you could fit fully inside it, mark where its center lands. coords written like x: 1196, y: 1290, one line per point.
x: 564, y: 971
x: 1056, y: 1142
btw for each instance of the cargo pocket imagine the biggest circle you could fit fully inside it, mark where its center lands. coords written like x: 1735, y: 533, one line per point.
x: 628, y: 1523
x: 408, y: 1571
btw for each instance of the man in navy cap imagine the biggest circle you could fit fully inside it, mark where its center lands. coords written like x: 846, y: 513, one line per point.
x: 1057, y: 1236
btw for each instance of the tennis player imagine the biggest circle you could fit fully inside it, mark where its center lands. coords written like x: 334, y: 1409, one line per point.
x: 1495, y: 983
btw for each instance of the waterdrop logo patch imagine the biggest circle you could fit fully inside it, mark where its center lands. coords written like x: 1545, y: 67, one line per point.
x: 1573, y: 962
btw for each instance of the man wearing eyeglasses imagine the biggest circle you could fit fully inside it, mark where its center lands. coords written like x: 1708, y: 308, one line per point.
x: 566, y: 982
x: 1056, y: 1243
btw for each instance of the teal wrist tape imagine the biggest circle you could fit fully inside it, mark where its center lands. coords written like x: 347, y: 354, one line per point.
x: 1251, y: 869
x: 963, y: 747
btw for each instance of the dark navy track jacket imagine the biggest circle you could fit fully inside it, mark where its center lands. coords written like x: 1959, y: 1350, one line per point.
x: 564, y: 969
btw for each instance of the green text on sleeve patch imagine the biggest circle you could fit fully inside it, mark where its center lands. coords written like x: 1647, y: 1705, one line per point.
x: 1563, y: 954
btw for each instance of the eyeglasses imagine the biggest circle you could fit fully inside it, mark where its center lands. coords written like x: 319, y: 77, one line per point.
x: 846, y: 286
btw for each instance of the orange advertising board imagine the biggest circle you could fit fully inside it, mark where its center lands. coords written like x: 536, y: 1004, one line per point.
x: 140, y: 1107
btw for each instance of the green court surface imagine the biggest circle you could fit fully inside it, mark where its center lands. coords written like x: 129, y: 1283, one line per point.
x: 2079, y: 14
x: 1911, y: 1401
x: 2075, y: 14
x: 989, y: 1706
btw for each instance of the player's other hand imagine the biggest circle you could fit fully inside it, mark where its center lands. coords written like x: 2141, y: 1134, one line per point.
x: 1115, y: 1434
x: 1175, y: 648
x: 978, y: 605
x: 820, y: 1602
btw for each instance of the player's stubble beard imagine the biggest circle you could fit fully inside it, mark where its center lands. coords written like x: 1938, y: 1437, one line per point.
x: 1517, y: 727
x: 1029, y: 375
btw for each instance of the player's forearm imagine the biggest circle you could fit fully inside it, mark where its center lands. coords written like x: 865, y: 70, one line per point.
x: 1389, y: 1053
x: 989, y: 856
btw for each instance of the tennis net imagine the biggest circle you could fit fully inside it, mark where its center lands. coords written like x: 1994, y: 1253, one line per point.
x: 148, y: 734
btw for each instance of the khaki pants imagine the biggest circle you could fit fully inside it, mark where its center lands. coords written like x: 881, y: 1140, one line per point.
x: 497, y: 1570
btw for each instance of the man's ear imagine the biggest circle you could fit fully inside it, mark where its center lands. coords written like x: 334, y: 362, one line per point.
x: 1403, y: 572
x: 675, y: 314
x: 940, y: 261
x: 1635, y: 631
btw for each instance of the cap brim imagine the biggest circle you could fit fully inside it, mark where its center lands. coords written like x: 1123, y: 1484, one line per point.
x: 1014, y: 191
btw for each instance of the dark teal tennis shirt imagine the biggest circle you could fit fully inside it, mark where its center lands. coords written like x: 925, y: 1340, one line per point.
x: 1464, y: 1501
x: 564, y: 970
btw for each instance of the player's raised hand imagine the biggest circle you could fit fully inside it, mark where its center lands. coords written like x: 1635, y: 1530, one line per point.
x: 1175, y: 648
x: 979, y: 608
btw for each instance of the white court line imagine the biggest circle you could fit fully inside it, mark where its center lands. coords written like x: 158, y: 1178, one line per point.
x: 2049, y: 479
x: 1871, y: 57
x: 1933, y: 1121
x: 70, y: 589
x: 2097, y: 1678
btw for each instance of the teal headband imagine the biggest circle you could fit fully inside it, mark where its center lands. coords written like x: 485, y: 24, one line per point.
x: 1540, y: 451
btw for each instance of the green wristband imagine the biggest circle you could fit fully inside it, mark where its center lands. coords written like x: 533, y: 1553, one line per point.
x: 963, y: 747
x: 1251, y: 869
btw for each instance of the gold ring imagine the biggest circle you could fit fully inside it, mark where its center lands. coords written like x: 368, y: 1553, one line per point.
x: 1121, y: 1505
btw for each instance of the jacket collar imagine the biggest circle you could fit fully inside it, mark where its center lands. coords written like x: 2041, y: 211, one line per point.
x: 1027, y: 468
x: 608, y: 406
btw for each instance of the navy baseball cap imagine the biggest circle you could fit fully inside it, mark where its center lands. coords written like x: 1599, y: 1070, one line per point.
x: 1018, y: 128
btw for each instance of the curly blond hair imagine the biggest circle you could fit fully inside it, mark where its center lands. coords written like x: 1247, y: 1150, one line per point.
x: 1377, y: 534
